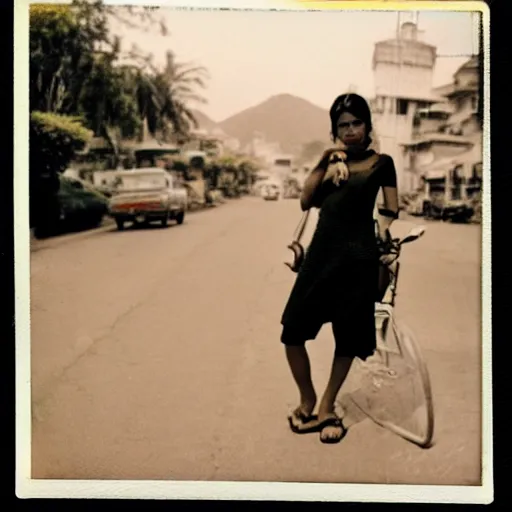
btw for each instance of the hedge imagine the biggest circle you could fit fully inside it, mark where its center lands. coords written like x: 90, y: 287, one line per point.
x: 54, y: 140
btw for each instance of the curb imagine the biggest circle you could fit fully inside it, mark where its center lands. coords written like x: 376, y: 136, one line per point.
x: 46, y: 243
x: 108, y: 224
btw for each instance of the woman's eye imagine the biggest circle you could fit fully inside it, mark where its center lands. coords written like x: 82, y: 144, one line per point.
x: 355, y: 124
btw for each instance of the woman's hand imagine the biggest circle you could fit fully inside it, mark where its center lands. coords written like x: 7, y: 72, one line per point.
x: 314, y: 180
x: 387, y: 259
x: 337, y: 169
x: 387, y: 248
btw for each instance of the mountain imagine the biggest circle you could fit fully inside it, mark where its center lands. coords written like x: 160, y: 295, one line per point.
x: 205, y: 123
x: 285, y: 119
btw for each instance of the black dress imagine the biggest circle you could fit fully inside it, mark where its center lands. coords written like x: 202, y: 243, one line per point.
x: 338, y: 280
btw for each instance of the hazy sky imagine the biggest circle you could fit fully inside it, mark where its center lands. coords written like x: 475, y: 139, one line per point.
x: 252, y: 55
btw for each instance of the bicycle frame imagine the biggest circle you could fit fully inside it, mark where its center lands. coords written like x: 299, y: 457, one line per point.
x: 404, y: 345
x: 384, y: 309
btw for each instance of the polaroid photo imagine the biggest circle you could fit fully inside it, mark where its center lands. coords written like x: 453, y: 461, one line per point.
x: 211, y: 215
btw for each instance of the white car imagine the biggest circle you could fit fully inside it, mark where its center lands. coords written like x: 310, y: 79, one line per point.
x: 271, y: 192
x: 146, y: 195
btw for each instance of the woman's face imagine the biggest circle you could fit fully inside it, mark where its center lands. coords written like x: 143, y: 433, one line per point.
x: 351, y: 130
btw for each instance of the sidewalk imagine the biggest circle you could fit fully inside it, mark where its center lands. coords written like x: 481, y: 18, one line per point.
x: 37, y: 244
x: 108, y: 224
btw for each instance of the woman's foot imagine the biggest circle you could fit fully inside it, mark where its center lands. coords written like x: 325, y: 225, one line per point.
x: 331, y: 427
x: 302, y: 419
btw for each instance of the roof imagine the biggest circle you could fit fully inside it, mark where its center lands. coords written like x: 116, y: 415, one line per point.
x: 143, y: 171
x: 154, y: 145
x: 416, y: 97
x: 472, y: 63
x: 459, y: 90
x: 438, y: 167
x: 438, y: 137
x: 443, y: 90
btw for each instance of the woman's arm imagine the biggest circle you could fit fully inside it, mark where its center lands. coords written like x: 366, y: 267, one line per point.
x: 389, y: 211
x: 313, y: 181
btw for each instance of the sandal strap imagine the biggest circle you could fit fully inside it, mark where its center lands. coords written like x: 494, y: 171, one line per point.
x: 332, y: 422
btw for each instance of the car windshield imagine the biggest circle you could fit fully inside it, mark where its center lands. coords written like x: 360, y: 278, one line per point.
x: 140, y: 182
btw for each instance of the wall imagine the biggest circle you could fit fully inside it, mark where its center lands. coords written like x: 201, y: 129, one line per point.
x: 447, y: 150
x: 394, y: 130
x: 405, y: 81
x: 429, y: 125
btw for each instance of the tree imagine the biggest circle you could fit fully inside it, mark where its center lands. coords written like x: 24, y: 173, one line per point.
x: 163, y: 96
x: 108, y: 103
x: 76, y: 69
x: 73, y: 57
x: 54, y: 140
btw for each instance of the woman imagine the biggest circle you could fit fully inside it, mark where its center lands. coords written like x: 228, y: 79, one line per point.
x: 338, y: 280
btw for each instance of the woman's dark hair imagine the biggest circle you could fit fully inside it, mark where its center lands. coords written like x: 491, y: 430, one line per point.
x: 357, y: 106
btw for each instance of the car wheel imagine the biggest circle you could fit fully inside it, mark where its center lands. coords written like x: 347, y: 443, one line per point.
x: 120, y: 224
x: 180, y: 217
x: 165, y: 221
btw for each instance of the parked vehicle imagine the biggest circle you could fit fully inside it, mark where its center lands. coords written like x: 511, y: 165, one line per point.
x: 74, y: 206
x: 459, y: 211
x: 146, y: 195
x: 415, y: 205
x: 271, y: 192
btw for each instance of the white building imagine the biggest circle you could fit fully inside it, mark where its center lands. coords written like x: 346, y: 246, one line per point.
x: 403, y: 69
x: 445, y: 150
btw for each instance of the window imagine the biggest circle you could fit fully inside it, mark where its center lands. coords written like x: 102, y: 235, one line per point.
x: 474, y: 102
x: 401, y: 107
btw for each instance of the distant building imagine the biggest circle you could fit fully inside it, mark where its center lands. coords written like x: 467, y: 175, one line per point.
x: 403, y: 69
x: 444, y: 154
x: 260, y: 148
x: 211, y: 142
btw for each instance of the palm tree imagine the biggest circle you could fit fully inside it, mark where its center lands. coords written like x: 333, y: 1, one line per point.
x: 163, y: 97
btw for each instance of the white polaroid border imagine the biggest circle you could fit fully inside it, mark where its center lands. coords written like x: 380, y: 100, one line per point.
x: 26, y: 487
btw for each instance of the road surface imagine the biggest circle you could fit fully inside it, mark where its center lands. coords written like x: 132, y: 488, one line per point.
x: 156, y: 355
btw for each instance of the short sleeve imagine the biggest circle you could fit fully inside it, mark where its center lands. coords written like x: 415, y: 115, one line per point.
x: 388, y: 172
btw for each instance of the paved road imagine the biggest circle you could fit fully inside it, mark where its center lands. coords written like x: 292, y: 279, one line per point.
x: 156, y: 355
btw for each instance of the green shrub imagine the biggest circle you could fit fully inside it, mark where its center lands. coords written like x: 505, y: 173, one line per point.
x: 54, y: 140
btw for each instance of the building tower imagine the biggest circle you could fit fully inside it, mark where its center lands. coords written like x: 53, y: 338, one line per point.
x: 403, y: 70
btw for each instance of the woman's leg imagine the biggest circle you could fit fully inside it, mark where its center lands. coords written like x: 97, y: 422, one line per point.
x: 339, y: 371
x: 298, y: 361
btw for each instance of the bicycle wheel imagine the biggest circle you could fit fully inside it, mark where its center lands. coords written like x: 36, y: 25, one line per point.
x: 394, y: 387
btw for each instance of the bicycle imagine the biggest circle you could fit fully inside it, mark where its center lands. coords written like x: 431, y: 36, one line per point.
x: 396, y: 392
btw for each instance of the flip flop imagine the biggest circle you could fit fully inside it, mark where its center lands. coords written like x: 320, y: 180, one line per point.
x: 304, y: 420
x: 332, y: 422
